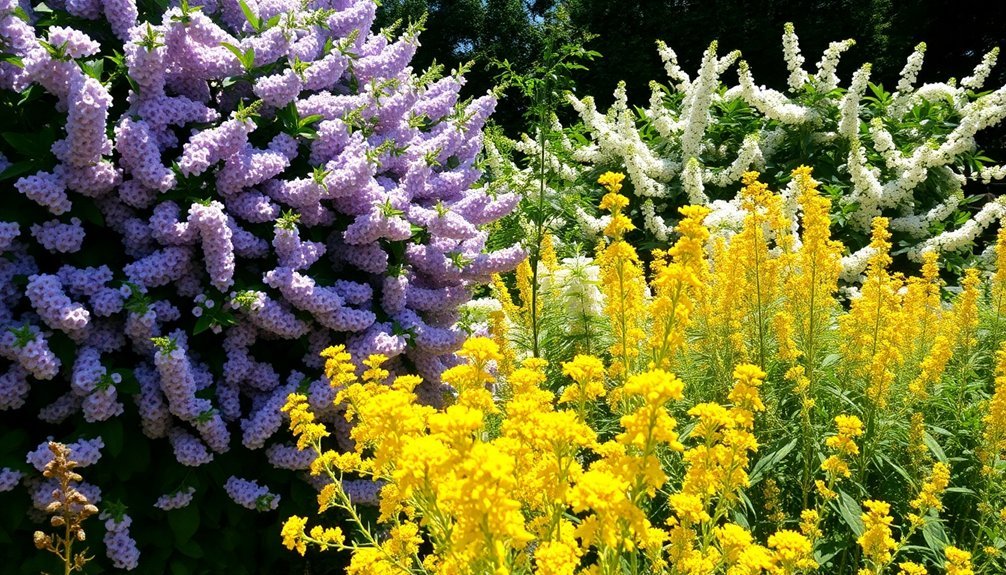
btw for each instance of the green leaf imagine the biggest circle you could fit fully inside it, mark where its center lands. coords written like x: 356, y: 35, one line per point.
x: 18, y: 169
x: 183, y: 523
x: 935, y: 535
x: 770, y: 460
x: 202, y: 324
x: 12, y: 59
x: 253, y: 19
x: 191, y: 549
x: 179, y: 568
x: 93, y: 68
x: 13, y: 440
x: 88, y: 211
x: 851, y: 513
x: 33, y: 145
x: 934, y: 446
x: 112, y: 433
x: 129, y: 385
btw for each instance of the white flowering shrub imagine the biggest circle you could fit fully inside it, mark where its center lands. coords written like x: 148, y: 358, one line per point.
x: 906, y: 154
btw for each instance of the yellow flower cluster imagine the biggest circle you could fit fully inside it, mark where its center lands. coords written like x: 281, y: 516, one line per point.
x: 876, y: 539
x: 843, y: 447
x: 932, y: 489
x: 587, y: 373
x: 958, y: 561
x: 677, y: 284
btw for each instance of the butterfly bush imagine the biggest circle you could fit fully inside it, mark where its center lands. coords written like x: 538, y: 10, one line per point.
x: 905, y: 155
x: 228, y: 189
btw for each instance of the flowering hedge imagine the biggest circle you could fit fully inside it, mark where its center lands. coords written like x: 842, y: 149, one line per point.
x: 741, y: 421
x: 205, y: 195
x: 906, y: 155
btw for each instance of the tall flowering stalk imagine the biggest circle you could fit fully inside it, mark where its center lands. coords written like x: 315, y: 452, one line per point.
x: 622, y: 280
x: 679, y: 280
x: 68, y: 507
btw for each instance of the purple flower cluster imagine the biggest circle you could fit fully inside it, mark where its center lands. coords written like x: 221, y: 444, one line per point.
x: 9, y: 478
x: 119, y: 546
x: 234, y: 222
x: 85, y: 452
x: 251, y: 495
x: 175, y: 500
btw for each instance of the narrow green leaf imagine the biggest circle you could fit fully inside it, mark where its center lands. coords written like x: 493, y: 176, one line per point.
x: 934, y: 446
x: 851, y: 511
x: 253, y: 19
x: 770, y: 460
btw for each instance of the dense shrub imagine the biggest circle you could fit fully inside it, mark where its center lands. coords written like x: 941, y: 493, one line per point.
x: 205, y: 195
x: 906, y: 155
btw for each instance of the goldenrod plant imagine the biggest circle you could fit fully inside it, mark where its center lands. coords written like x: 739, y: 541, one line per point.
x: 737, y: 423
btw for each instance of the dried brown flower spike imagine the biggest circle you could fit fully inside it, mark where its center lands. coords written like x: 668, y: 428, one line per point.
x: 69, y: 508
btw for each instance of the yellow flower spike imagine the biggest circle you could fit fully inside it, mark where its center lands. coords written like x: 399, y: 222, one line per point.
x: 733, y: 540
x: 407, y: 383
x: 826, y: 492
x: 618, y: 225
x: 524, y: 290
x: 791, y: 551
x: 744, y: 394
x: 689, y: 508
x: 339, y: 368
x: 612, y: 181
x: 557, y: 557
x: 404, y: 540
x: 480, y: 350
x: 374, y: 373
x: 547, y: 255
x: 677, y: 286
x: 326, y: 537
x: 302, y: 422
x: 849, y: 428
x: 587, y: 372
x: 872, y: 334
x: 876, y: 539
x: 994, y: 435
x: 810, y: 522
x: 933, y: 488
x: 328, y: 497
x: 656, y: 386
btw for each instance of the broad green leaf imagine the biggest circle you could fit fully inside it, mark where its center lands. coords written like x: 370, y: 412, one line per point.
x: 183, y: 523
x: 112, y: 433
